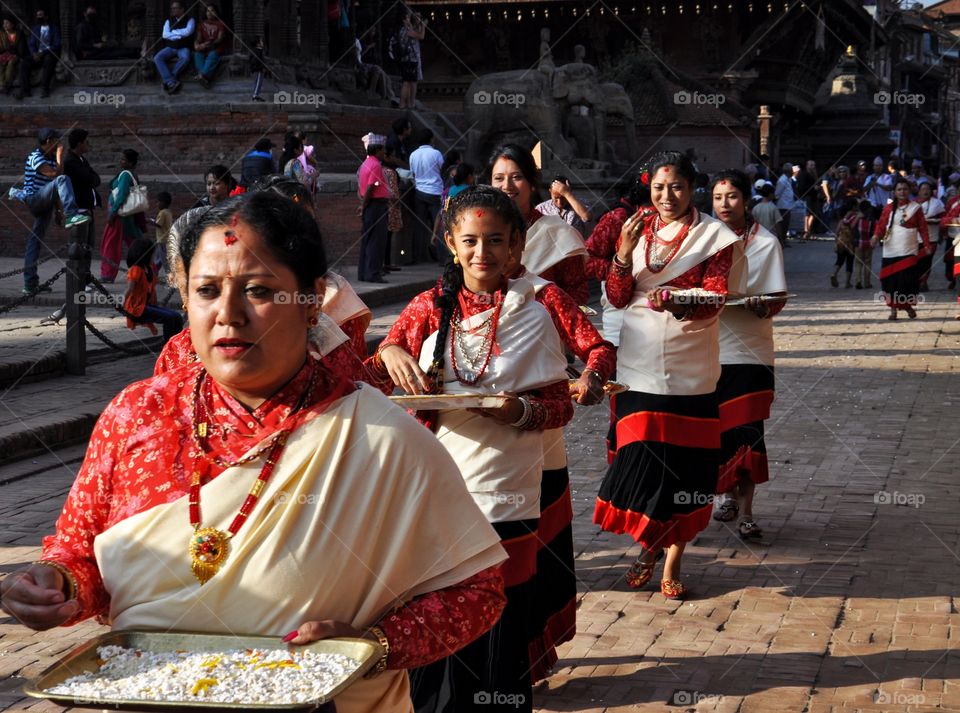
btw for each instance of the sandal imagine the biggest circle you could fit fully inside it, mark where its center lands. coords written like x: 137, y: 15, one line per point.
x: 749, y: 530
x: 911, y: 313
x: 727, y: 511
x: 834, y: 282
x: 672, y: 589
x: 640, y: 572
x: 892, y: 316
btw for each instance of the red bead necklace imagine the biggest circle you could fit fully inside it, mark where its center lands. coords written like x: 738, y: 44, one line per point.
x: 481, y: 360
x: 210, y: 547
x: 656, y: 263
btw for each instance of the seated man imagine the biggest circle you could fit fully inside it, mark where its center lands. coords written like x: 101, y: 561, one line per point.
x: 177, y: 40
x: 91, y: 44
x: 44, y: 44
x: 371, y: 75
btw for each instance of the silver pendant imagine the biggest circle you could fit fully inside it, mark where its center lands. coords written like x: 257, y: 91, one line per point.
x: 468, y: 376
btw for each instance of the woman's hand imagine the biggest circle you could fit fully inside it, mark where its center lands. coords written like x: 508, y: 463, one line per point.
x: 661, y: 299
x: 873, y: 242
x: 34, y: 597
x: 507, y: 414
x: 404, y: 370
x: 759, y: 307
x: 310, y: 631
x: 630, y: 237
x: 588, y: 388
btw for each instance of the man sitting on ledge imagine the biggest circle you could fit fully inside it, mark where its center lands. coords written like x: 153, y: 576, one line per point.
x: 177, y: 40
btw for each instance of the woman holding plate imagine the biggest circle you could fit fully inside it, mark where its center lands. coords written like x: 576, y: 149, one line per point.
x: 662, y: 479
x: 746, y: 387
x: 188, y: 509
x: 479, y: 333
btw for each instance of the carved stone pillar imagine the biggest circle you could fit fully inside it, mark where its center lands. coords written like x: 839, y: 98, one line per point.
x: 67, y: 19
x: 156, y: 15
x: 323, y: 33
x: 248, y: 20
x: 765, y: 117
x: 283, y: 29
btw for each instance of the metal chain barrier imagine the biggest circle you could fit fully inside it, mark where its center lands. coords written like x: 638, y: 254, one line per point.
x: 132, y: 351
x: 109, y: 295
x: 20, y: 270
x: 26, y: 298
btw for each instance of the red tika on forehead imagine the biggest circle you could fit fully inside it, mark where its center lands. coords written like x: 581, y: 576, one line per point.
x: 229, y: 238
x: 480, y: 213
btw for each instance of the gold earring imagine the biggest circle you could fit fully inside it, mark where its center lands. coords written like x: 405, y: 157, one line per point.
x: 456, y: 260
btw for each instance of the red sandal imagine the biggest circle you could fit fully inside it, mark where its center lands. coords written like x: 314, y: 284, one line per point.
x: 641, y: 572
x: 672, y: 589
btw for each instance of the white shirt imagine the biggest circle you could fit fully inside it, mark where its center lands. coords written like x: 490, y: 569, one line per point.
x: 169, y: 34
x: 425, y: 164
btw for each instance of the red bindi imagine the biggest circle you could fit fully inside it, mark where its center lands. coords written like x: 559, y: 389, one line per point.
x: 479, y: 213
x: 229, y: 238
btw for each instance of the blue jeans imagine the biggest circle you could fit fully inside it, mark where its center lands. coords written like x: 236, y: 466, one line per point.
x: 171, y: 320
x: 41, y: 205
x: 206, y: 64
x: 161, y: 58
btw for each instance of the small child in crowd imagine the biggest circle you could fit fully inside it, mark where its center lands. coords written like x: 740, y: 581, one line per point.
x: 140, y: 299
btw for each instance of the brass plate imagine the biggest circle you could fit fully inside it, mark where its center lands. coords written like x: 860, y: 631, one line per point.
x: 740, y: 301
x: 611, y: 388
x: 83, y: 658
x: 448, y: 402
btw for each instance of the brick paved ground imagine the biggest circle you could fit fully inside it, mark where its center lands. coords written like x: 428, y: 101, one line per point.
x: 846, y: 605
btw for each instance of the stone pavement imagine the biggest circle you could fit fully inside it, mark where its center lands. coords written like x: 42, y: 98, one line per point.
x: 848, y: 602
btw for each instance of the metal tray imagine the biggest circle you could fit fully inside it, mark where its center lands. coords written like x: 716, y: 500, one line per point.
x: 83, y: 658
x: 449, y: 402
x: 740, y: 301
x: 696, y: 297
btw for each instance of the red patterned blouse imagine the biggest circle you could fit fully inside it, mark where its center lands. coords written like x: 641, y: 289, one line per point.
x: 602, y: 243
x: 552, y: 407
x: 141, y: 455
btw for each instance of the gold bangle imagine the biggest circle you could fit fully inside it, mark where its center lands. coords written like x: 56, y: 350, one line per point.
x: 67, y: 575
x: 384, y: 642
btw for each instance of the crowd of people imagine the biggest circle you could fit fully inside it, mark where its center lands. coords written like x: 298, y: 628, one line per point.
x: 469, y: 585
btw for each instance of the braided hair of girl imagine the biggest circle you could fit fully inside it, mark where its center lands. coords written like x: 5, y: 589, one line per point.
x: 479, y: 198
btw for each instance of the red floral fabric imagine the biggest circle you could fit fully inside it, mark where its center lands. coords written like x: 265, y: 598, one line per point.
x: 711, y: 274
x: 436, y: 625
x: 602, y: 243
x: 141, y: 455
x: 577, y: 332
x: 552, y: 407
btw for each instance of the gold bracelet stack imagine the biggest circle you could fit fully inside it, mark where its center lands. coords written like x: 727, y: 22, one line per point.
x: 68, y: 578
x: 384, y: 642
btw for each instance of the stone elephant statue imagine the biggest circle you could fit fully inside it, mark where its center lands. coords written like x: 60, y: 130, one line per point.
x: 516, y: 106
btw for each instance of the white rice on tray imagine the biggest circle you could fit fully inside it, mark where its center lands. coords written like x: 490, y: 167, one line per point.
x: 261, y: 676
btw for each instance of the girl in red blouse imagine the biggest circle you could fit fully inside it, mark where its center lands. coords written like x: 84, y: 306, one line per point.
x: 661, y: 483
x: 479, y: 333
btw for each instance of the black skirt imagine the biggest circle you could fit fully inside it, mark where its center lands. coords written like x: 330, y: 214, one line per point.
x: 900, y: 281
x: 659, y: 488
x: 745, y: 393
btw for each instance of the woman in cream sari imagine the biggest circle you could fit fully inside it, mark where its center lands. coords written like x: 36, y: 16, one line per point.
x: 255, y: 492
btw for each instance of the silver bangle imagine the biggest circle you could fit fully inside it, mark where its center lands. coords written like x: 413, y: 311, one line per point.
x: 525, y: 417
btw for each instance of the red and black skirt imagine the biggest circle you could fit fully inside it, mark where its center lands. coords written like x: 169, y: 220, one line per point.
x: 745, y: 393
x: 555, y: 617
x: 900, y: 281
x: 660, y: 486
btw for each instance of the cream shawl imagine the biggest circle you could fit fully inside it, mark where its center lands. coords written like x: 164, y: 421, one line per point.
x: 549, y: 241
x: 365, y: 510
x: 660, y: 354
x: 744, y: 338
x: 500, y: 464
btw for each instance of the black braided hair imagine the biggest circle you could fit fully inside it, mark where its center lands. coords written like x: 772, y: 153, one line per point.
x: 480, y: 197
x: 738, y: 179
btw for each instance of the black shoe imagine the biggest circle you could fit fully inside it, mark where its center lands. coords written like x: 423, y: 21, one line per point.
x: 859, y: 286
x: 177, y: 85
x: 29, y: 290
x: 44, y: 288
x: 392, y: 268
x: 258, y: 99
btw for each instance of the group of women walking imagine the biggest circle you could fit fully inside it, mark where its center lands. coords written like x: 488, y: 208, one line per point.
x: 448, y: 543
